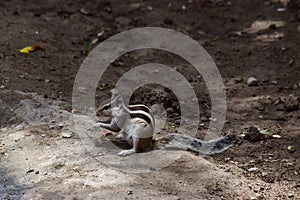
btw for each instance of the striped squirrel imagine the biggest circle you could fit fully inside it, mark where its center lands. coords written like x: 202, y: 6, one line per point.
x: 137, y: 123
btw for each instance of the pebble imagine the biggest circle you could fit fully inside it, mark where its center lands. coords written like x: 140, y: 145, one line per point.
x: 281, y: 9
x: 130, y: 192
x: 262, y: 188
x: 29, y: 171
x: 276, y: 136
x: 67, y: 134
x: 237, y: 80
x: 252, y: 169
x: 150, y: 8
x: 213, y: 119
x: 251, y: 81
x: 51, y: 127
x: 291, y: 149
x: 290, y: 195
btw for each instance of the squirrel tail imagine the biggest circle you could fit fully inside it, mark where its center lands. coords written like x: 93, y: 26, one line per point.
x: 185, y: 142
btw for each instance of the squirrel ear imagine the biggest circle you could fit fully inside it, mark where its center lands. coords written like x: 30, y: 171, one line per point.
x: 116, y: 101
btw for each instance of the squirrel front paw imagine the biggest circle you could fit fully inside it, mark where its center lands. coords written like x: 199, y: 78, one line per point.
x: 97, y: 124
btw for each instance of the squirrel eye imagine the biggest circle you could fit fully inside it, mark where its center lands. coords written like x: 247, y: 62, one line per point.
x: 106, y: 107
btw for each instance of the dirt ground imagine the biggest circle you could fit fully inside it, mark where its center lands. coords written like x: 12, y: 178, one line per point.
x: 244, y: 37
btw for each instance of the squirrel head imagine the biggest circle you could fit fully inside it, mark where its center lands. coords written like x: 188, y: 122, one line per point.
x: 105, y: 108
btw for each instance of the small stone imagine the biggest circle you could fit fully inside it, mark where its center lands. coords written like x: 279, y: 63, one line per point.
x: 67, y: 134
x: 252, y: 198
x: 130, y: 192
x: 84, y: 11
x: 251, y: 81
x: 290, y: 195
x: 213, y: 119
x: 281, y: 9
x: 291, y: 149
x: 237, y: 80
x: 36, y: 172
x: 276, y: 136
x: 227, y: 159
x: 29, y: 171
x: 150, y: 8
x: 274, y: 82
x: 252, y: 169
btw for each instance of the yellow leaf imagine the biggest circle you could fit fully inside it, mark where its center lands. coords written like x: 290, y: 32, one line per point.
x: 31, y: 48
x: 26, y: 49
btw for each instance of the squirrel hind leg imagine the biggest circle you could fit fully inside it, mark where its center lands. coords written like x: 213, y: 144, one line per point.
x: 126, y: 152
x: 134, y: 149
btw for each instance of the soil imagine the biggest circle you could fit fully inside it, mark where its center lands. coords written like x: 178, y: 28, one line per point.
x: 248, y: 38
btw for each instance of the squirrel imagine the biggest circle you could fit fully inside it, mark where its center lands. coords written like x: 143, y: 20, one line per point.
x: 136, y: 124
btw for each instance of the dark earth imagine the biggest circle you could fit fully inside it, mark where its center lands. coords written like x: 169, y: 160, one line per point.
x: 245, y: 38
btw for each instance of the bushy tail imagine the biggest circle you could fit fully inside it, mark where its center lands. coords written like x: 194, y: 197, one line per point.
x: 185, y: 142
